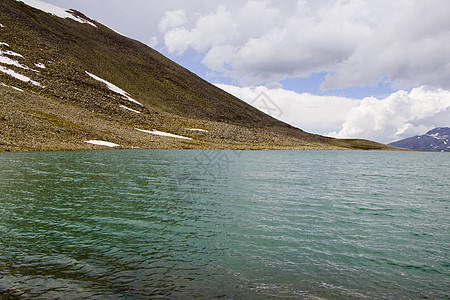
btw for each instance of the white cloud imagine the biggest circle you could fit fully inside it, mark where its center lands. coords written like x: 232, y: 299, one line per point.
x: 316, y: 114
x: 153, y: 42
x: 358, y: 42
x: 172, y: 19
x: 213, y: 29
x: 398, y: 116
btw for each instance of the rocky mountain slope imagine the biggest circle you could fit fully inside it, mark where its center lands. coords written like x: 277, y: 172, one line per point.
x: 434, y: 140
x: 71, y: 83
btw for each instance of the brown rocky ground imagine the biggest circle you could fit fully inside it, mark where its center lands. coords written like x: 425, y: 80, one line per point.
x: 70, y: 107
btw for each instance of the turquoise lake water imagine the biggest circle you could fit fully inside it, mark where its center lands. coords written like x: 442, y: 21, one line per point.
x: 139, y: 224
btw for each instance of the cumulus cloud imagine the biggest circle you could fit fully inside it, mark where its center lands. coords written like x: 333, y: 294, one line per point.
x: 172, y: 19
x: 312, y: 113
x: 357, y: 42
x: 153, y: 41
x: 210, y: 30
x: 398, y: 116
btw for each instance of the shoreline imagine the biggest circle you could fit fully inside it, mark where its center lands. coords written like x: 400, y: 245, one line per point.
x: 214, y: 149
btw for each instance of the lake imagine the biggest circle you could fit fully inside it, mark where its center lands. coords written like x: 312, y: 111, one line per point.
x: 138, y: 224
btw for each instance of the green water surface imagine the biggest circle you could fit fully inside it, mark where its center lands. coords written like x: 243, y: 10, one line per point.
x: 139, y: 224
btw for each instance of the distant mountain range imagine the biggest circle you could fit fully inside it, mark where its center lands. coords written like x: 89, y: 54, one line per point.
x: 434, y: 140
x: 69, y: 82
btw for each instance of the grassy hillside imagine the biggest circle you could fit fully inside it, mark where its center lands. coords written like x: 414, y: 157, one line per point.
x: 65, y: 106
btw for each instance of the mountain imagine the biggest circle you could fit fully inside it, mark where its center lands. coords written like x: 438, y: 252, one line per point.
x: 69, y: 82
x: 434, y: 140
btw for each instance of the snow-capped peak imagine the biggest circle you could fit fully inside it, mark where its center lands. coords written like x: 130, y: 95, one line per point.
x: 55, y: 10
x: 437, y: 134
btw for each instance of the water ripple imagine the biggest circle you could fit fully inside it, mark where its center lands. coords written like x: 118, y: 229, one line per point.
x: 153, y: 224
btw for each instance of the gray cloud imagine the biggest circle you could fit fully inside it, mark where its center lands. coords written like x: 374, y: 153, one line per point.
x: 409, y: 47
x: 140, y: 19
x: 358, y: 42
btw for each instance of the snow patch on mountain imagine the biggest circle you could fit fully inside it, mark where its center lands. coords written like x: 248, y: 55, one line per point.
x: 440, y: 133
x: 19, y: 76
x: 434, y: 140
x: 10, y: 53
x: 40, y: 65
x: 102, y: 143
x: 114, y: 88
x: 12, y: 62
x: 197, y: 129
x: 130, y: 109
x: 12, y: 87
x: 437, y: 136
x: 161, y: 133
x: 56, y: 11
x: 9, y: 61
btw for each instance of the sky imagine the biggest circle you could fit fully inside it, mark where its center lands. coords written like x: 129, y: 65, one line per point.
x: 378, y: 70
